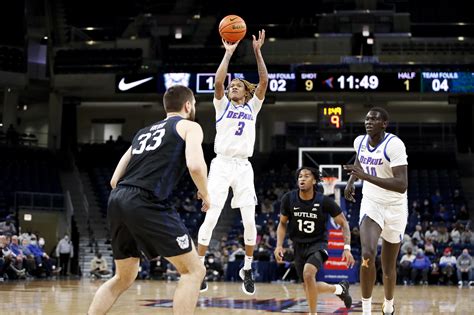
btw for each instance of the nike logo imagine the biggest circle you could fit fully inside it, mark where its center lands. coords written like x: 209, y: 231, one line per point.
x: 296, y: 208
x: 127, y: 86
x: 233, y: 18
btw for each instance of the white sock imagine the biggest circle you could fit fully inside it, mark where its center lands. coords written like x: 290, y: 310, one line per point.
x: 388, y: 306
x: 202, y: 258
x: 248, y: 262
x: 367, y: 306
x: 338, y: 289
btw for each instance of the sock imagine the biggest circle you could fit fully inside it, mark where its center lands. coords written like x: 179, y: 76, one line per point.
x: 367, y: 306
x: 338, y: 289
x: 388, y: 306
x: 201, y: 258
x: 248, y: 262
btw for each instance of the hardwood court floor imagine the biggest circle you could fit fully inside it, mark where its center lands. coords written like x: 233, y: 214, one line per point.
x: 153, y: 297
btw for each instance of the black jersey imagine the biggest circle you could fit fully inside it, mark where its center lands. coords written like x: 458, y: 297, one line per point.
x: 307, y: 219
x: 158, y: 159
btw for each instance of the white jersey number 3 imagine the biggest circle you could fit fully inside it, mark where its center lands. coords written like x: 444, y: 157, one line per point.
x: 306, y: 226
x: 154, y: 143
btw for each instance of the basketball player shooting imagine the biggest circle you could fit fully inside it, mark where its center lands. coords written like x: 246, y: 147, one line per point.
x: 236, y: 114
x: 382, y: 164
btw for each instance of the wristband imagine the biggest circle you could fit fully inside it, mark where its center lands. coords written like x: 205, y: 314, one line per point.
x: 347, y: 246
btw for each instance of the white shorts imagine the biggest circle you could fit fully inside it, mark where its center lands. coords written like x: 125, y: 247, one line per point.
x: 236, y: 173
x: 391, y: 218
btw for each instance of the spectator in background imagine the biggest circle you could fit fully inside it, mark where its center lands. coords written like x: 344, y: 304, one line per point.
x: 456, y: 233
x: 99, y: 267
x: 412, y: 244
x: 42, y: 260
x: 267, y: 206
x: 467, y: 237
x: 420, y: 266
x: 427, y: 208
x: 430, y: 249
x: 418, y: 234
x: 405, y: 265
x: 443, y: 235
x: 443, y: 215
x: 464, y: 267
x: 463, y: 215
x: 447, y: 265
x: 64, y: 251
x: 7, y: 227
x: 431, y: 233
x: 30, y: 258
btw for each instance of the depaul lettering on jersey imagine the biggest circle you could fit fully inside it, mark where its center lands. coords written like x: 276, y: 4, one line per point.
x: 237, y: 115
x: 370, y: 161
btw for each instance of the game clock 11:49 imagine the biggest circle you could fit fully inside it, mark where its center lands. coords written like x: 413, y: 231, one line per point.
x: 359, y: 82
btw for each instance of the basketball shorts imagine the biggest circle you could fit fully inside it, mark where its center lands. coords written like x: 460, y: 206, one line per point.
x: 236, y: 173
x: 140, y: 224
x: 309, y: 253
x: 391, y: 218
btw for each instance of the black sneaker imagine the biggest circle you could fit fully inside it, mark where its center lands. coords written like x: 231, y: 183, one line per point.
x: 345, y: 296
x: 248, y: 286
x: 204, y: 286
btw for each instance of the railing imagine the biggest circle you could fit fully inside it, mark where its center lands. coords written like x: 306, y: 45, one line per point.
x: 39, y: 201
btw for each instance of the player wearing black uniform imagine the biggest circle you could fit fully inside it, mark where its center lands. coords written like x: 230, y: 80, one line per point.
x: 304, y: 213
x: 141, y: 219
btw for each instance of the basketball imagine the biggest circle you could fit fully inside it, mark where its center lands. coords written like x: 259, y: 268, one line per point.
x: 232, y: 28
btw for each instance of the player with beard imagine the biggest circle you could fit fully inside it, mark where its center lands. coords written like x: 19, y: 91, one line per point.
x: 140, y: 217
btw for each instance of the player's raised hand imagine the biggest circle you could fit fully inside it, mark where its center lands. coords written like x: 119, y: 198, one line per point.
x: 348, y: 258
x: 206, y: 201
x: 349, y: 192
x: 230, y: 47
x: 258, y: 43
x: 279, y: 251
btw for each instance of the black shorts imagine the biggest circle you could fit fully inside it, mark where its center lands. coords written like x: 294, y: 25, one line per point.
x: 139, y: 223
x: 309, y: 253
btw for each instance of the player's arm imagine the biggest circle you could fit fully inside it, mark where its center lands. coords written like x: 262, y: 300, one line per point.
x: 262, y: 68
x: 195, y: 162
x: 398, y: 183
x: 121, y: 167
x: 349, y: 191
x: 281, y: 233
x: 221, y: 73
x: 341, y: 220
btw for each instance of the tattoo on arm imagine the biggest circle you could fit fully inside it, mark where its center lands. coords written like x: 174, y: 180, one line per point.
x: 346, y: 232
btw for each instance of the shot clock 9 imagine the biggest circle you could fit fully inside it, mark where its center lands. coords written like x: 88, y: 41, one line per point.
x: 331, y: 116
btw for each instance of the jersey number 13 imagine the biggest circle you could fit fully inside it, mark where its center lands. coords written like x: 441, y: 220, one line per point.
x: 305, y: 226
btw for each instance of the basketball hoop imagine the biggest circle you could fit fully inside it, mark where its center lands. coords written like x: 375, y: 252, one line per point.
x: 329, y: 183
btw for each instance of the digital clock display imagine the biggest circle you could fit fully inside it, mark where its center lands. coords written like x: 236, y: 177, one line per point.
x: 331, y: 116
x: 355, y: 82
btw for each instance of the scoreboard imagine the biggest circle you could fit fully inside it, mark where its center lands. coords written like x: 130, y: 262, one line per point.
x: 307, y: 82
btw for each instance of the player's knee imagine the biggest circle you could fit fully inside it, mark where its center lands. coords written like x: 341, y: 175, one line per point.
x: 369, y: 253
x: 308, y: 276
x: 126, y: 280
